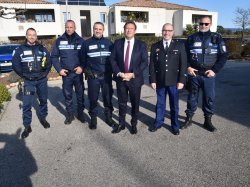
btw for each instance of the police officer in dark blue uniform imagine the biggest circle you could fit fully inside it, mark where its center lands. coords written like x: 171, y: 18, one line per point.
x: 65, y: 58
x: 96, y: 52
x: 31, y: 61
x: 206, y: 57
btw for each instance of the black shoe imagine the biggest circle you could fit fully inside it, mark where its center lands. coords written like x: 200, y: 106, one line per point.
x: 81, y: 118
x: 44, y: 123
x: 153, y: 128
x: 93, y: 123
x: 69, y: 119
x: 133, y: 129
x: 26, y: 132
x: 208, y: 124
x: 110, y: 122
x: 175, y: 131
x: 117, y: 128
x: 187, y: 123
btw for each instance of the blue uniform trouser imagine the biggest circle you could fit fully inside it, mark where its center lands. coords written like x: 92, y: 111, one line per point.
x: 207, y: 85
x: 173, y: 93
x: 94, y: 85
x: 69, y: 81
x: 39, y: 87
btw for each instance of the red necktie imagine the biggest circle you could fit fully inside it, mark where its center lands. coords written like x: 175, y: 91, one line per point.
x: 126, y: 65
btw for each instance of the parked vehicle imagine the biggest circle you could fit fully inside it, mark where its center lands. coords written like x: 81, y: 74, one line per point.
x: 6, y: 51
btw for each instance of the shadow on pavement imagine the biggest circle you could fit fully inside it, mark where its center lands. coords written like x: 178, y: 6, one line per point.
x: 16, y: 161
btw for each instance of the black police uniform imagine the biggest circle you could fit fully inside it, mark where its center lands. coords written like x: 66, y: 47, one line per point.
x: 98, y: 71
x: 32, y: 63
x: 65, y: 55
x: 206, y: 51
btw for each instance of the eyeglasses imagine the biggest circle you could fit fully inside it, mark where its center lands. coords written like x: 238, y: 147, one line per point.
x: 167, y: 30
x: 206, y: 24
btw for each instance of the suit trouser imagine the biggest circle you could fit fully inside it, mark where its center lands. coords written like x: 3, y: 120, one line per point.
x: 30, y: 89
x: 123, y: 90
x: 69, y: 81
x: 207, y: 85
x: 173, y: 93
x: 94, y: 85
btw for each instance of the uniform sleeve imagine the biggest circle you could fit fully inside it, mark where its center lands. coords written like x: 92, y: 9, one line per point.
x: 113, y: 59
x: 222, y: 55
x: 55, y: 57
x: 16, y: 62
x: 183, y: 64
x: 49, y: 64
x: 83, y: 55
x: 152, y: 76
x: 144, y: 59
x: 187, y: 44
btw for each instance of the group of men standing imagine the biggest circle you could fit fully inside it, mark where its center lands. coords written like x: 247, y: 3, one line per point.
x: 124, y: 61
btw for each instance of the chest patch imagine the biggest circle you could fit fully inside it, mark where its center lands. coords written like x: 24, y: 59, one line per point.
x: 197, y: 44
x: 63, y: 42
x: 27, y: 52
x: 93, y: 47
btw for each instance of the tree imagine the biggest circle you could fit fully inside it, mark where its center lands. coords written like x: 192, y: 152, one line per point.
x: 221, y: 30
x: 10, y: 13
x: 190, y: 29
x: 242, y: 19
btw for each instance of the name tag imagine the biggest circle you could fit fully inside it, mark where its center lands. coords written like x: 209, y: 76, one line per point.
x: 27, y: 52
x: 197, y: 44
x: 63, y: 42
x: 93, y: 47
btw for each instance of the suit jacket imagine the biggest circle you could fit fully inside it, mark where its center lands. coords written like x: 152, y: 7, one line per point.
x: 138, y: 62
x: 168, y: 68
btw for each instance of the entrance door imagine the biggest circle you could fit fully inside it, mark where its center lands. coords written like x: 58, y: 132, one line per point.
x: 85, y: 23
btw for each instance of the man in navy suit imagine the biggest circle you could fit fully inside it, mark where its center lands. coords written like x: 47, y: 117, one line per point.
x: 167, y: 68
x: 129, y: 59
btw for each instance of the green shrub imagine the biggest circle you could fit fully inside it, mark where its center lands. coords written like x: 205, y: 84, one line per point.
x: 4, y: 94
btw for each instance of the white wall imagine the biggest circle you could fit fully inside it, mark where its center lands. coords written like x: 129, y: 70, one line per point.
x: 187, y: 18
x: 10, y: 27
x: 178, y: 23
x: 157, y: 17
x: 94, y: 15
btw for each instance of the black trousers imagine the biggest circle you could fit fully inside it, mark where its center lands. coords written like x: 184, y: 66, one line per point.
x: 124, y: 89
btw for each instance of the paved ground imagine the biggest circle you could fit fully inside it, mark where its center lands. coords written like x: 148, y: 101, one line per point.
x: 76, y: 156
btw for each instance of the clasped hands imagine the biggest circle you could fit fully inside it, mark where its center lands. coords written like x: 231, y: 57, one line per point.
x: 78, y: 70
x: 126, y: 76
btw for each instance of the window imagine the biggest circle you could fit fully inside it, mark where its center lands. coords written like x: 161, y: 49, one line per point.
x: 36, y: 15
x: 65, y: 18
x: 112, y: 17
x: 141, y: 17
x: 103, y: 17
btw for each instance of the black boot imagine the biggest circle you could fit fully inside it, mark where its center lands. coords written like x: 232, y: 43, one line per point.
x: 44, y: 123
x: 69, y: 119
x: 81, y: 117
x: 187, y: 123
x: 108, y: 118
x: 208, y: 124
x: 26, y: 132
x: 93, y: 123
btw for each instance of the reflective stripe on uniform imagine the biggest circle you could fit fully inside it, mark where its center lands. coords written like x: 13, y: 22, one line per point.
x: 99, y: 54
x: 199, y: 51
x: 62, y: 47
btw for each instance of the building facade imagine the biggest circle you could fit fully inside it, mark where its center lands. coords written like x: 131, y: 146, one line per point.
x: 49, y: 18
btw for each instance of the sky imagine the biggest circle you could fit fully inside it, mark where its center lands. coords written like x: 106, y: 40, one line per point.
x: 225, y: 8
